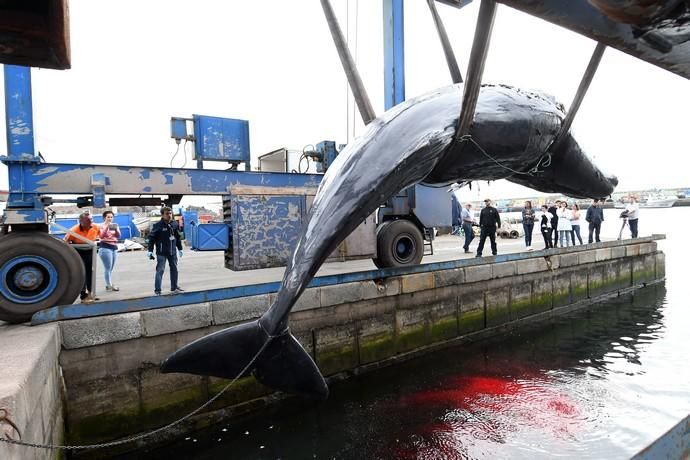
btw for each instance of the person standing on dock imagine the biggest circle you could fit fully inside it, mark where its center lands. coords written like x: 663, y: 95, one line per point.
x: 107, y: 248
x: 595, y: 216
x: 489, y: 221
x: 528, y: 223
x: 633, y: 213
x: 545, y: 226
x: 86, y: 229
x: 553, y: 210
x: 575, y: 223
x: 165, y: 236
x: 467, y: 221
x: 564, y: 225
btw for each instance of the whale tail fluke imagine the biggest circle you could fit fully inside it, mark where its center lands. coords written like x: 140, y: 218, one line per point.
x: 281, y: 363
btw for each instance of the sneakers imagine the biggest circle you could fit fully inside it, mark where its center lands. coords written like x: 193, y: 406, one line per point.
x: 529, y: 248
x: 156, y: 292
x: 467, y: 251
x: 89, y: 299
x: 112, y: 288
x: 177, y: 290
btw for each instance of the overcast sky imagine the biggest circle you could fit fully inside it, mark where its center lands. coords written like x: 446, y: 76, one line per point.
x: 137, y: 63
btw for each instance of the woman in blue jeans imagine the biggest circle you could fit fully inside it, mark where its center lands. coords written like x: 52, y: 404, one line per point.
x: 107, y: 248
x: 528, y: 218
x: 575, y: 223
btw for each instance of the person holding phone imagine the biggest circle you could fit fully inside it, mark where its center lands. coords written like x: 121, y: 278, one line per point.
x: 107, y: 248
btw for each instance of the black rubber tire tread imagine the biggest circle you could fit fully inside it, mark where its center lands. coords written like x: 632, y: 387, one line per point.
x: 388, y: 234
x: 65, y: 260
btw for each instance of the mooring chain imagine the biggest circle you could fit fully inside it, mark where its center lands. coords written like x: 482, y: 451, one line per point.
x: 4, y: 417
x: 543, y: 162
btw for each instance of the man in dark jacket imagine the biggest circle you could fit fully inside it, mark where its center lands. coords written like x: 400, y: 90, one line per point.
x: 595, y: 216
x: 165, y: 236
x: 554, y: 222
x: 489, y: 221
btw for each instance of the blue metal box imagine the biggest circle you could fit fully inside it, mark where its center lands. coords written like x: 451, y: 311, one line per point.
x: 212, y: 237
x: 221, y: 139
x: 178, y: 128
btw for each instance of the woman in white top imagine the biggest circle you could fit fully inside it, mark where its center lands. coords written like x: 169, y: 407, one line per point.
x: 564, y: 226
x: 575, y: 222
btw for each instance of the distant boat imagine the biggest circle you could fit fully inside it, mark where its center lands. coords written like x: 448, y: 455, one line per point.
x: 659, y: 201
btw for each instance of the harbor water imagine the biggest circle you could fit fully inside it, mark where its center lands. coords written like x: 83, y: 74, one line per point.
x: 601, y: 383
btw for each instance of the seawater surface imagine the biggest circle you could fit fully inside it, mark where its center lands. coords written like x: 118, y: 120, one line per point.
x: 601, y: 383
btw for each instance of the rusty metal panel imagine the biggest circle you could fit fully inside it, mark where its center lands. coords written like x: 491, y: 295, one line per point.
x: 265, y: 229
x: 35, y: 33
x: 266, y: 225
x: 659, y: 37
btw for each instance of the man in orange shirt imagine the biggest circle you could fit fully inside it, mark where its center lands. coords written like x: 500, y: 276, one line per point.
x: 87, y: 229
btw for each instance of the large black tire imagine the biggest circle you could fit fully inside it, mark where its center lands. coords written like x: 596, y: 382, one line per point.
x: 399, y: 243
x: 36, y: 272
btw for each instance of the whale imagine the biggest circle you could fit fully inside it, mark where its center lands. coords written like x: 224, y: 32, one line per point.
x: 510, y: 138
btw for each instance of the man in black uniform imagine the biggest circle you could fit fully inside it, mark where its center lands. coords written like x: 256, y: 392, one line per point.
x: 489, y: 221
x: 554, y: 222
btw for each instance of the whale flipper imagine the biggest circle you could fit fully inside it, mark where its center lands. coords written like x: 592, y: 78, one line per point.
x: 280, y: 362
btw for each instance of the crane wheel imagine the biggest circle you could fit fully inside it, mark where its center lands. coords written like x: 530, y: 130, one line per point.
x: 37, y: 271
x: 399, y: 243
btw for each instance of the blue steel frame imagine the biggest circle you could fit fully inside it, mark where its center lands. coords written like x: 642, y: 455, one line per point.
x: 393, y: 53
x: 20, y: 140
x: 29, y: 177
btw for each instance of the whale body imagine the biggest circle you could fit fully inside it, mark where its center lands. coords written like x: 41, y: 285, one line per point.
x: 414, y: 142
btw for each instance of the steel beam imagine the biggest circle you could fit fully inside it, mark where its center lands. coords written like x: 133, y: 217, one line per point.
x: 353, y: 78
x: 455, y: 74
x: 393, y: 53
x: 580, y: 94
x: 76, y: 179
x: 19, y: 114
x: 475, y: 70
x: 20, y: 141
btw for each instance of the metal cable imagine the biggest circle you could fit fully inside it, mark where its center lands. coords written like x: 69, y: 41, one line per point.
x: 139, y: 436
x: 543, y: 162
x: 174, y: 154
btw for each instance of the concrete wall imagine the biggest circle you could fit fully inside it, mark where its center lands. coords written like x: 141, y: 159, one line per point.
x: 31, y: 390
x: 110, y: 363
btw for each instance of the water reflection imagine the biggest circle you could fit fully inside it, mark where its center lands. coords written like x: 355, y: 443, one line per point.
x: 571, y: 387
